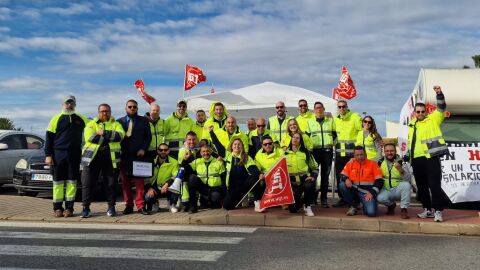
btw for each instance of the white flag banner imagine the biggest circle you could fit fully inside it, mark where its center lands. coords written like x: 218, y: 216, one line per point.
x: 461, y: 172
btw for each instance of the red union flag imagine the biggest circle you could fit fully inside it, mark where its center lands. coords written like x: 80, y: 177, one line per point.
x: 141, y: 89
x: 346, y: 89
x: 193, y: 76
x: 278, y: 189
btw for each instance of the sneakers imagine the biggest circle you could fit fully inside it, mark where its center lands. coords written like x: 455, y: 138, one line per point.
x: 340, y: 203
x: 111, y: 211
x: 309, y: 212
x: 85, y: 212
x: 144, y: 211
x: 257, y: 207
x: 352, y: 211
x: 58, y: 213
x: 128, y: 210
x: 324, y: 203
x: 438, y: 217
x: 173, y: 208
x: 391, y: 209
x: 425, y: 214
x: 404, y: 213
x: 68, y: 213
x: 155, y: 207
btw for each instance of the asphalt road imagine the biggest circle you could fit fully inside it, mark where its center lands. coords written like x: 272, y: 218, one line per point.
x: 209, y: 247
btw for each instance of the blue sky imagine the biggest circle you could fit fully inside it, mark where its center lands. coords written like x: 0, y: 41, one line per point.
x: 97, y: 49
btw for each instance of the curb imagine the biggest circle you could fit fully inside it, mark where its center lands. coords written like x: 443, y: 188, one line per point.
x: 289, y: 221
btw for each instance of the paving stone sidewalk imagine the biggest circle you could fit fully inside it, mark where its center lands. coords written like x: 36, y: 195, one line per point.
x: 457, y: 222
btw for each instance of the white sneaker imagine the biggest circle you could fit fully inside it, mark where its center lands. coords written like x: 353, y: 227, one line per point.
x: 155, y: 207
x: 438, y: 216
x: 425, y: 214
x: 173, y: 208
x: 309, y: 212
x: 257, y: 207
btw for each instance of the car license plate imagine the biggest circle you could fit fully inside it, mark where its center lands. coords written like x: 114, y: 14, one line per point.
x: 43, y: 177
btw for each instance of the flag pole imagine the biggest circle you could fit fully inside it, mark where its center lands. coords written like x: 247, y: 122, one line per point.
x: 243, y: 198
x: 184, y: 81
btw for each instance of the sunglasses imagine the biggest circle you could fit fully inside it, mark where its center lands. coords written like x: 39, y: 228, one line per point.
x: 420, y: 111
x: 367, y: 122
x: 342, y: 107
x: 302, y: 105
x: 261, y: 126
x: 162, y: 150
x: 181, y: 106
x: 280, y: 107
x: 132, y: 107
x: 268, y: 144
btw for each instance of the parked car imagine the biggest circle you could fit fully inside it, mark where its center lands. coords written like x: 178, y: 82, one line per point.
x: 32, y: 175
x: 15, y: 145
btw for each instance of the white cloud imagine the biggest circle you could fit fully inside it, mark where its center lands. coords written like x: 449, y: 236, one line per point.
x: 72, y: 9
x: 30, y: 84
x: 4, y: 13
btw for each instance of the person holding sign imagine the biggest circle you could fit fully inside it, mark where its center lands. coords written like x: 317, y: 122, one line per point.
x: 265, y: 159
x: 425, y: 146
x: 361, y: 181
x: 101, y: 153
x: 303, y: 170
x: 132, y: 167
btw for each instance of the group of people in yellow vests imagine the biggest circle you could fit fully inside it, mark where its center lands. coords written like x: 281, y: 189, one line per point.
x: 210, y: 162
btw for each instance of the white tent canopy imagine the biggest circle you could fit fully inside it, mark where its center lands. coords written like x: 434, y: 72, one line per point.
x: 259, y: 100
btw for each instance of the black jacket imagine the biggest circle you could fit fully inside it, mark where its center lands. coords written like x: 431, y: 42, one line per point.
x: 140, y: 138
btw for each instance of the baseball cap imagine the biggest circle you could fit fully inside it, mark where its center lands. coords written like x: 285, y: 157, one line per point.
x: 69, y: 98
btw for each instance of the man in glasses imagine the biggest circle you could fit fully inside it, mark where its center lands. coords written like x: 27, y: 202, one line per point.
x: 134, y: 147
x: 426, y: 145
x: 177, y: 125
x: 304, y: 115
x: 63, y: 150
x: 165, y: 169
x: 277, y: 124
x: 347, y: 125
x: 256, y: 136
x: 265, y: 159
x: 101, y: 153
x: 322, y: 134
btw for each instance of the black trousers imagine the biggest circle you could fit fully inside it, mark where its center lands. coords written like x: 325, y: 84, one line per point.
x: 100, y: 163
x: 214, y: 195
x: 307, y: 188
x: 428, y: 176
x: 324, y: 158
x: 340, y: 163
x: 235, y: 193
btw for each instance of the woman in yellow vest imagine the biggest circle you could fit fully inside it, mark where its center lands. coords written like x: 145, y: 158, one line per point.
x: 242, y: 173
x: 369, y: 138
x: 303, y: 170
x: 293, y: 128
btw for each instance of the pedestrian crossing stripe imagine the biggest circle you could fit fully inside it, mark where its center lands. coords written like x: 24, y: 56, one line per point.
x: 117, y: 253
x: 123, y: 237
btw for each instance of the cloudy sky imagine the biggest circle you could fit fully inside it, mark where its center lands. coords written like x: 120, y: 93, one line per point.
x: 97, y: 49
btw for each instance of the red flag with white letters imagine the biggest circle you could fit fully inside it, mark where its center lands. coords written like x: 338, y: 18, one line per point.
x: 278, y: 188
x: 193, y: 76
x: 141, y: 89
x: 346, y: 89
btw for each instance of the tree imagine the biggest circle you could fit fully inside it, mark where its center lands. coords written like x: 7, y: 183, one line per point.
x: 476, y: 60
x: 8, y: 124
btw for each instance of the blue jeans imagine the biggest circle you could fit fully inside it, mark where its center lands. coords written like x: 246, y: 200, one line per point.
x: 352, y: 195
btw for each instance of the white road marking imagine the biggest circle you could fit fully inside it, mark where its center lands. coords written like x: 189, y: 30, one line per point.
x: 136, y: 227
x: 123, y: 237
x: 110, y: 252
